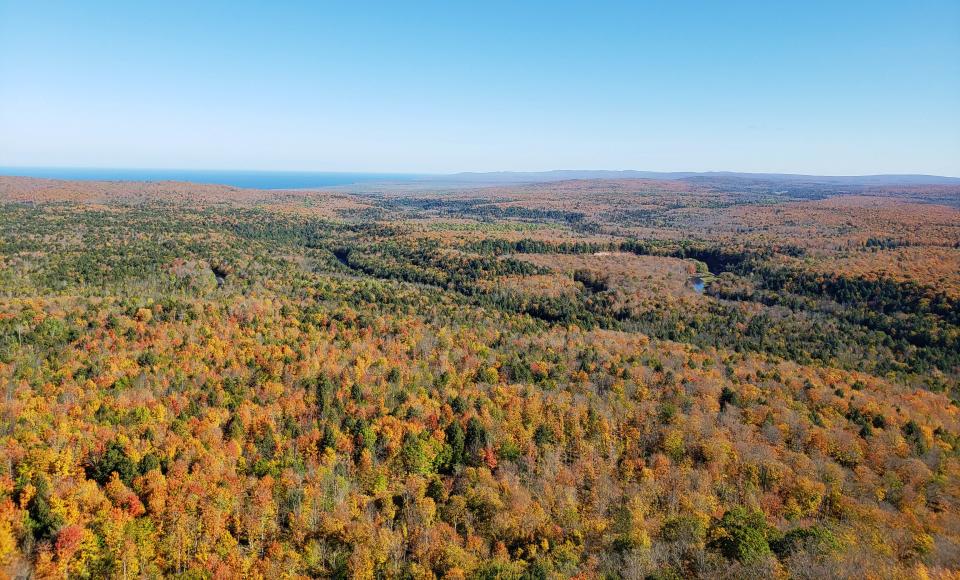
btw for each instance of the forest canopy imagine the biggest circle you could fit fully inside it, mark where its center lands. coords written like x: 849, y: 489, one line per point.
x: 624, y: 379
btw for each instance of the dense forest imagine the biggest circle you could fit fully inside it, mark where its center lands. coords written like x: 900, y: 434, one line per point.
x: 625, y: 379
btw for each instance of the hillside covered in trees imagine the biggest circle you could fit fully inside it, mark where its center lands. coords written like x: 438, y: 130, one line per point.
x: 588, y: 378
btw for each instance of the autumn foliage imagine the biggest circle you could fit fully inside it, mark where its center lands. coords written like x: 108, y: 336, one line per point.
x: 221, y: 388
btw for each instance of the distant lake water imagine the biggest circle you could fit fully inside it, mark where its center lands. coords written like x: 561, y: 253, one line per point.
x: 250, y: 179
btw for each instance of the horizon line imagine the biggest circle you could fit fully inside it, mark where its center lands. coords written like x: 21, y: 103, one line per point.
x: 464, y: 172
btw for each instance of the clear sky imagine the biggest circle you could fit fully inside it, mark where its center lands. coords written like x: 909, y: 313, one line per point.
x: 836, y: 87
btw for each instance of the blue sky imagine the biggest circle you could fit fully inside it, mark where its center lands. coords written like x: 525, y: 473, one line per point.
x: 840, y: 87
